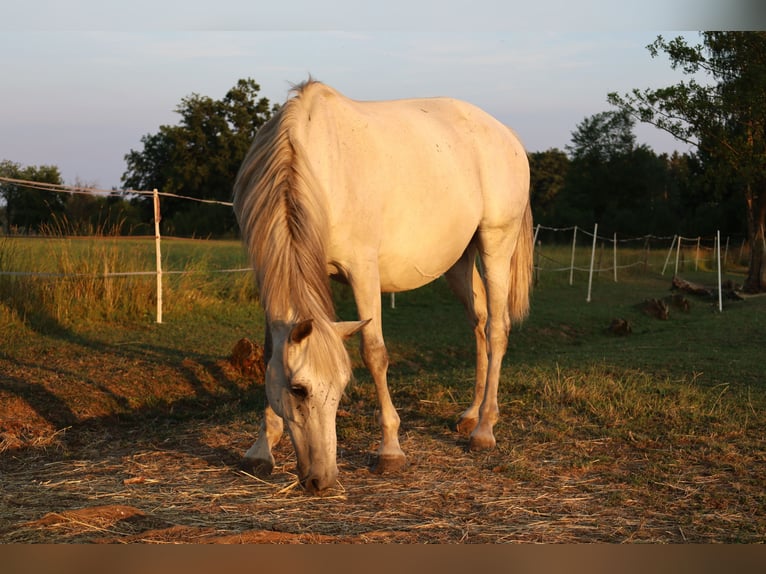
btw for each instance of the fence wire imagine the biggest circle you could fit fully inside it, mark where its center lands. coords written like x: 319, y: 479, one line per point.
x: 60, y: 188
x: 676, y: 243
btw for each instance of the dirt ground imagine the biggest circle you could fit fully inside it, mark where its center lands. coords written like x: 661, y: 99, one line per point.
x: 111, y: 458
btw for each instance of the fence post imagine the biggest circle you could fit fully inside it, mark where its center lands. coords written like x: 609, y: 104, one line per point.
x: 615, y: 257
x: 718, y: 245
x: 592, y: 258
x: 646, y: 254
x: 536, y: 253
x: 752, y: 246
x: 678, y: 253
x: 571, y: 264
x: 158, y: 254
x: 670, y: 251
x: 697, y: 254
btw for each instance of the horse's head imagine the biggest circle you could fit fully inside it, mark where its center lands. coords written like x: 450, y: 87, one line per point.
x: 307, y: 373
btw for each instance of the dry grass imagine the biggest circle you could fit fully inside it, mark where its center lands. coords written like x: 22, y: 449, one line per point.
x: 147, y: 494
x: 164, y: 479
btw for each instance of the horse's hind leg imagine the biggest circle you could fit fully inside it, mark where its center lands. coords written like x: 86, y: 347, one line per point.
x: 465, y: 281
x: 496, y: 248
x: 258, y: 460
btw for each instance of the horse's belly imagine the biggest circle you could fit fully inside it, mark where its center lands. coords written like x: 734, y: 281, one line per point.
x: 409, y: 276
x: 421, y: 259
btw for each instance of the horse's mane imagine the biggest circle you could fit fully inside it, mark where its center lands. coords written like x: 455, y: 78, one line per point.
x: 283, y: 220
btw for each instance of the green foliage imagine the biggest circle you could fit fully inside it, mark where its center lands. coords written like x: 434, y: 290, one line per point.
x: 611, y: 179
x: 548, y: 170
x: 724, y: 117
x: 199, y: 157
x: 26, y: 209
x: 603, y: 137
x: 626, y: 188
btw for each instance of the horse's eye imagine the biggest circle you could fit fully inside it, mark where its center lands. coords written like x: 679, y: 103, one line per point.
x: 299, y: 391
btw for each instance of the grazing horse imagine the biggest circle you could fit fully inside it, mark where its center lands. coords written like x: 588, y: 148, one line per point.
x: 386, y: 196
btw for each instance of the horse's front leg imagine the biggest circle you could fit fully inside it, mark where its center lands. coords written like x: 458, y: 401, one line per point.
x: 258, y: 460
x: 390, y: 456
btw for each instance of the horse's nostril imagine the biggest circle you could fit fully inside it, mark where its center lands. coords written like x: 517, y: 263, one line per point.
x: 313, y: 485
x: 317, y: 484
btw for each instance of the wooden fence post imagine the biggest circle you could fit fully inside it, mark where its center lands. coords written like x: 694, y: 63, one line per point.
x: 647, y: 248
x: 718, y: 258
x: 571, y: 264
x: 158, y: 253
x: 678, y: 253
x: 697, y: 254
x: 670, y: 252
x: 592, y: 258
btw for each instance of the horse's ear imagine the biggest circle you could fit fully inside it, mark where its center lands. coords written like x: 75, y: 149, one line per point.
x: 348, y: 328
x: 301, y: 330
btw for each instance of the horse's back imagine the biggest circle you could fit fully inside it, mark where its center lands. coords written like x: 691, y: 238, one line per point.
x: 410, y: 181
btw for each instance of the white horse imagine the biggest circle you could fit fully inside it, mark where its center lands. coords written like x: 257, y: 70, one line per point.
x: 386, y: 196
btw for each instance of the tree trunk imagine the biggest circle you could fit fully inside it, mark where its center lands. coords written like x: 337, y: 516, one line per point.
x: 756, y: 220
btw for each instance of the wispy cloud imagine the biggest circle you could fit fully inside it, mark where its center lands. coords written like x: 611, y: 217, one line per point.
x: 496, y: 51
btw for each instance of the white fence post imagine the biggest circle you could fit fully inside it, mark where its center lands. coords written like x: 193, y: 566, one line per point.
x: 158, y: 254
x: 718, y: 245
x: 697, y: 254
x: 571, y: 264
x: 678, y: 253
x: 592, y: 259
x: 670, y: 251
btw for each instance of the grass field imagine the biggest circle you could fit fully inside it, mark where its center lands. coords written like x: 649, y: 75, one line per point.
x: 114, y: 428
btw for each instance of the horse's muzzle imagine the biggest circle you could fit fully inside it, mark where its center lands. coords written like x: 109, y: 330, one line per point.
x: 318, y: 484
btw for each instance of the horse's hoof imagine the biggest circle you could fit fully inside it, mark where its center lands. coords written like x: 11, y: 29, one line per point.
x: 481, y: 442
x: 257, y: 467
x: 466, y: 425
x: 389, y: 463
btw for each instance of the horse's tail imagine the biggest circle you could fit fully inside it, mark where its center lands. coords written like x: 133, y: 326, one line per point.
x: 522, y: 269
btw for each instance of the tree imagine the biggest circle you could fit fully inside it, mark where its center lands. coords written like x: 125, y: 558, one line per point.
x: 598, y: 145
x: 548, y: 170
x: 98, y: 214
x: 594, y: 182
x: 725, y: 119
x: 199, y: 157
x: 612, y: 181
x: 603, y: 137
x: 27, y: 209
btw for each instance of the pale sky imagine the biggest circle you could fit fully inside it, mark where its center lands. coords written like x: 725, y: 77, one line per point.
x: 82, y: 81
